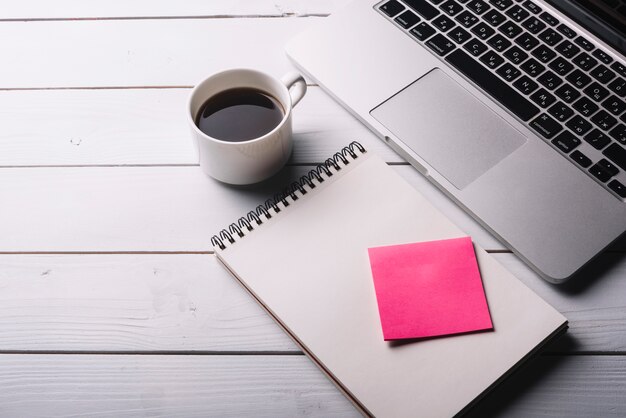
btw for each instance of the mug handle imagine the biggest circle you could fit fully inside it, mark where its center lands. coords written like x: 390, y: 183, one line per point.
x: 296, y: 85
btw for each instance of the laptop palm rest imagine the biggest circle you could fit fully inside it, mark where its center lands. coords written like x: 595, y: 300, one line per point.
x: 448, y: 127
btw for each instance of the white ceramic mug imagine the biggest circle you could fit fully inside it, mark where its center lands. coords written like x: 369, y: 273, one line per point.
x: 254, y: 160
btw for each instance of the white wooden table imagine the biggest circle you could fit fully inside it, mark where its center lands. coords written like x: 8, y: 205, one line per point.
x: 111, y: 301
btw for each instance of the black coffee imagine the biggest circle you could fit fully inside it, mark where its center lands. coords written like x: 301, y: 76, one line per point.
x: 239, y: 114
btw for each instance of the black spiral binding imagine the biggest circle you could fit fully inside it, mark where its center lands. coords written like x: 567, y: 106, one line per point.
x: 271, y: 207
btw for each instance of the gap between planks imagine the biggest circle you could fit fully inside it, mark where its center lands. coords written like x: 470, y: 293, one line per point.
x: 181, y: 87
x: 201, y: 17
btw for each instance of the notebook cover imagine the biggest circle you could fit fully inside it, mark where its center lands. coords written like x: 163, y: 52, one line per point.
x: 308, y: 267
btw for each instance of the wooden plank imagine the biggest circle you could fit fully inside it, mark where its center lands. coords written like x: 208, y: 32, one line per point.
x: 146, y: 208
x: 188, y: 302
x: 594, y: 303
x: 555, y: 386
x: 77, y: 9
x: 147, y: 126
x: 274, y: 386
x: 146, y: 52
x: 130, y: 303
x: 167, y: 386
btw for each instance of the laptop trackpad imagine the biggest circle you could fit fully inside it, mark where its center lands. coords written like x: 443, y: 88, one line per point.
x: 448, y: 127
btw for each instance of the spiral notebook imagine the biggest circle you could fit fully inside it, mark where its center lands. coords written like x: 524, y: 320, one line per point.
x: 303, y: 256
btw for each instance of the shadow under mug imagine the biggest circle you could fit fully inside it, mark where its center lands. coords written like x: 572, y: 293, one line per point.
x: 257, y: 159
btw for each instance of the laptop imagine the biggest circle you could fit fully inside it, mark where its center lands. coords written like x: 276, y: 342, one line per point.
x: 515, y: 109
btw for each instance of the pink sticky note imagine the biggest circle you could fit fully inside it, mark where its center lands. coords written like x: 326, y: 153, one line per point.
x: 429, y: 289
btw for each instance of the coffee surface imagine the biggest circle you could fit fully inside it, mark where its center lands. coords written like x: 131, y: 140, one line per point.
x: 240, y: 114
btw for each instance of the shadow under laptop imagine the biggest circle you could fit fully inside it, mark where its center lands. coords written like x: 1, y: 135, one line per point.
x: 523, y: 390
x: 599, y: 267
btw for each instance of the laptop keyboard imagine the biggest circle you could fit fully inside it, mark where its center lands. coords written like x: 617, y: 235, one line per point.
x: 551, y: 78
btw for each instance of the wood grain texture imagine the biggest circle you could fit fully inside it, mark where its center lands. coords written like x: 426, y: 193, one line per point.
x: 273, y: 386
x: 147, y: 52
x: 146, y: 208
x: 129, y: 303
x: 188, y: 302
x: 147, y: 126
x: 167, y: 386
x: 77, y: 9
x: 561, y: 386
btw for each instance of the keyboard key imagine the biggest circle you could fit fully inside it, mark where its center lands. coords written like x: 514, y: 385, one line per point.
x: 596, y: 92
x: 475, y: 47
x: 603, y: 120
x: 550, y: 37
x: 492, y: 59
x: 543, y: 53
x: 561, y: 111
x: 566, y: 30
x: 585, y: 61
x: 499, y: 43
x: 451, y: 7
x: 580, y: 159
x: 525, y: 85
x: 602, y: 56
x: 459, y: 35
x: 534, y: 25
x: 508, y: 72
x: 614, y: 105
x: 515, y: 55
x: 585, y: 106
x: 585, y: 44
x: 478, y: 6
x: 616, y: 154
x: 527, y: 41
x: 407, y: 19
x: 423, y: 8
x: 495, y: 87
x: 483, y: 31
x: 609, y: 167
x: 510, y: 29
x: 566, y: 142
x: 517, y: 13
x: 561, y: 66
x: 597, y: 139
x: 567, y: 93
x: 467, y: 19
x: 532, y: 67
x: 602, y: 74
x: 618, y: 188
x: 501, y: 4
x: 422, y: 31
x: 542, y: 98
x: 494, y: 18
x: 443, y: 23
x: 567, y: 49
x: 619, y: 134
x: 618, y: 86
x: 440, y: 44
x: 391, y: 8
x: 532, y: 7
x: 550, y: 80
x: 549, y: 19
x: 579, y: 125
x: 578, y: 79
x: 598, y: 172
x: 620, y: 68
x: 546, y: 126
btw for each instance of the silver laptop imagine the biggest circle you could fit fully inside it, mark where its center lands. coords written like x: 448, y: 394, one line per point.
x: 513, y: 108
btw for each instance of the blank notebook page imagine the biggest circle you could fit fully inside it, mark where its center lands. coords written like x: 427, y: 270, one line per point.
x: 308, y: 266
